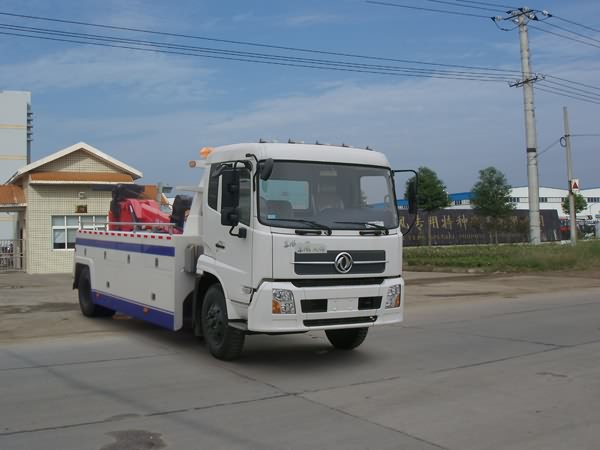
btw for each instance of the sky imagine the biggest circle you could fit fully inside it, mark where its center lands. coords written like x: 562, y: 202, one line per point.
x: 155, y: 111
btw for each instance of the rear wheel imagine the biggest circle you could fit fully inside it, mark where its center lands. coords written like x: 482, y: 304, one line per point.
x: 87, y: 306
x: 347, y: 339
x: 223, y: 341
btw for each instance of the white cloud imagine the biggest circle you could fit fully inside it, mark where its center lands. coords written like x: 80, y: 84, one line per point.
x: 456, y: 128
x: 148, y: 75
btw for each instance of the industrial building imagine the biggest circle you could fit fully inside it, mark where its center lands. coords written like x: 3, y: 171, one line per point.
x: 16, y: 121
x: 550, y: 198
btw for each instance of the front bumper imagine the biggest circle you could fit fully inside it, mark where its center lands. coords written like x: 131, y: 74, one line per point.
x: 342, y: 307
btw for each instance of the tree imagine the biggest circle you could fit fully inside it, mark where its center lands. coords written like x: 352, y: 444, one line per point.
x: 431, y: 193
x: 580, y: 203
x: 491, y: 198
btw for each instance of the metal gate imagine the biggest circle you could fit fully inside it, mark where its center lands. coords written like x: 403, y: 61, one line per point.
x: 11, y: 255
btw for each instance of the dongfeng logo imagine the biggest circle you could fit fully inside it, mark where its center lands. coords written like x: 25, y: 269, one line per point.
x: 343, y: 262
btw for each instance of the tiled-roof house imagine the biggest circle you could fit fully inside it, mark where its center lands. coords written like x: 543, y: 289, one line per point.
x: 56, y: 195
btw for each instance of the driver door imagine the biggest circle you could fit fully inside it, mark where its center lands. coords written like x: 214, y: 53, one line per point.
x: 233, y: 254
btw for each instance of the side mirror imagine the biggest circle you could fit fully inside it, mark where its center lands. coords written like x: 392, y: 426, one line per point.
x: 230, y: 197
x: 266, y: 169
x: 230, y: 216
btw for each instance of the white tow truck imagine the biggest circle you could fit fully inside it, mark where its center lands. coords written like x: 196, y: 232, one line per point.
x: 279, y: 238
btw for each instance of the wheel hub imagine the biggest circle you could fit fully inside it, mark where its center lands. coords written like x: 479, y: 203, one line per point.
x: 214, y: 320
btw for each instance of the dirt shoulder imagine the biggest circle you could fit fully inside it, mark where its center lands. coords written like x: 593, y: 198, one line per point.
x: 438, y: 286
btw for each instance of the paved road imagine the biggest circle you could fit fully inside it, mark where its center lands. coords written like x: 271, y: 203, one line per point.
x: 477, y: 368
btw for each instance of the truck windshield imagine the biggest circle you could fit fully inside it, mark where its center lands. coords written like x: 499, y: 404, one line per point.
x: 327, y: 196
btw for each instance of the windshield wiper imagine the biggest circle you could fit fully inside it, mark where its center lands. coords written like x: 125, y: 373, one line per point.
x: 370, y: 228
x: 312, y: 223
x: 366, y: 224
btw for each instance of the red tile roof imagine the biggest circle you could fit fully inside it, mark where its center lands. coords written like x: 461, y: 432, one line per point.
x: 11, y: 195
x: 82, y: 177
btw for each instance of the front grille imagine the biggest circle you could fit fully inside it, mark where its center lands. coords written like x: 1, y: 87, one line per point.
x: 344, y: 321
x: 364, y: 262
x: 369, y: 302
x: 314, y: 305
x: 329, y: 282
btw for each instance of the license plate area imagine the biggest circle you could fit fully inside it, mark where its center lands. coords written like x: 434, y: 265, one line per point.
x: 342, y: 304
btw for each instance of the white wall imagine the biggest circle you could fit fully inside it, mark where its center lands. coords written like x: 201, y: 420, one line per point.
x: 550, y: 198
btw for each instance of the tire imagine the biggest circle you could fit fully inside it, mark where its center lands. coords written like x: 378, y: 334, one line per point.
x: 223, y: 342
x: 87, y: 306
x: 347, y: 339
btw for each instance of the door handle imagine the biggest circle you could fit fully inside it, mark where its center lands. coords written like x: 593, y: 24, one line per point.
x: 220, y: 245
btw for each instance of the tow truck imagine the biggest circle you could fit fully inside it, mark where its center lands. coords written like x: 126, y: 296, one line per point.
x: 277, y: 238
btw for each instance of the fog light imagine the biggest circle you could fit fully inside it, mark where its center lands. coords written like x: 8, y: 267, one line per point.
x: 283, y: 302
x: 393, y: 297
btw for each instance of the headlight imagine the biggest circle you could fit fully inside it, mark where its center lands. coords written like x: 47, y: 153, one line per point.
x: 393, y: 297
x: 283, y: 302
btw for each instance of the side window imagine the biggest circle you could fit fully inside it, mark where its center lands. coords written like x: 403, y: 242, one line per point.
x: 213, y: 188
x: 245, y: 192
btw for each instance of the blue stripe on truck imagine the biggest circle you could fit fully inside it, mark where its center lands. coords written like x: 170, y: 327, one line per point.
x: 146, y: 313
x: 128, y: 247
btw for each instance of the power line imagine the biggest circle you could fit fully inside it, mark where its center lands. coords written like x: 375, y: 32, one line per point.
x: 549, y: 147
x: 250, y: 60
x: 446, y: 2
x: 582, y: 97
x: 564, y: 36
x: 573, y: 82
x: 576, y: 23
x: 575, y: 89
x: 475, y: 73
x: 553, y: 144
x: 552, y: 91
x: 488, y: 4
x: 420, y: 8
x: 570, y: 31
x: 254, y: 55
x: 254, y: 44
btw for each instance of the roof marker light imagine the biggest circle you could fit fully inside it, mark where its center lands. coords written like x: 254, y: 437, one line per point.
x: 205, y: 151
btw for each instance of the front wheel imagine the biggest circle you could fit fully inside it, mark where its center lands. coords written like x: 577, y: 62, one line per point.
x: 347, y: 339
x: 223, y: 341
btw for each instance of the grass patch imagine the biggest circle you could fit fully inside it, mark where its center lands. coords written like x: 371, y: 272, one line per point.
x: 505, y: 258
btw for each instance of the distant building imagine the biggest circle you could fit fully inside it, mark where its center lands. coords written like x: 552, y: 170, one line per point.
x: 550, y: 198
x: 53, y: 197
x: 15, y: 145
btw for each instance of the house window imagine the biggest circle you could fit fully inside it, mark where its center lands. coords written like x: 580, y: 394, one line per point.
x: 64, y: 229
x: 593, y: 199
x: 515, y: 199
x: 543, y: 199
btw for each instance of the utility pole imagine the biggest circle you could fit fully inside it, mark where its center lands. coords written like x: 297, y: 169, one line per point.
x: 567, y: 145
x: 521, y: 17
x: 530, y: 131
